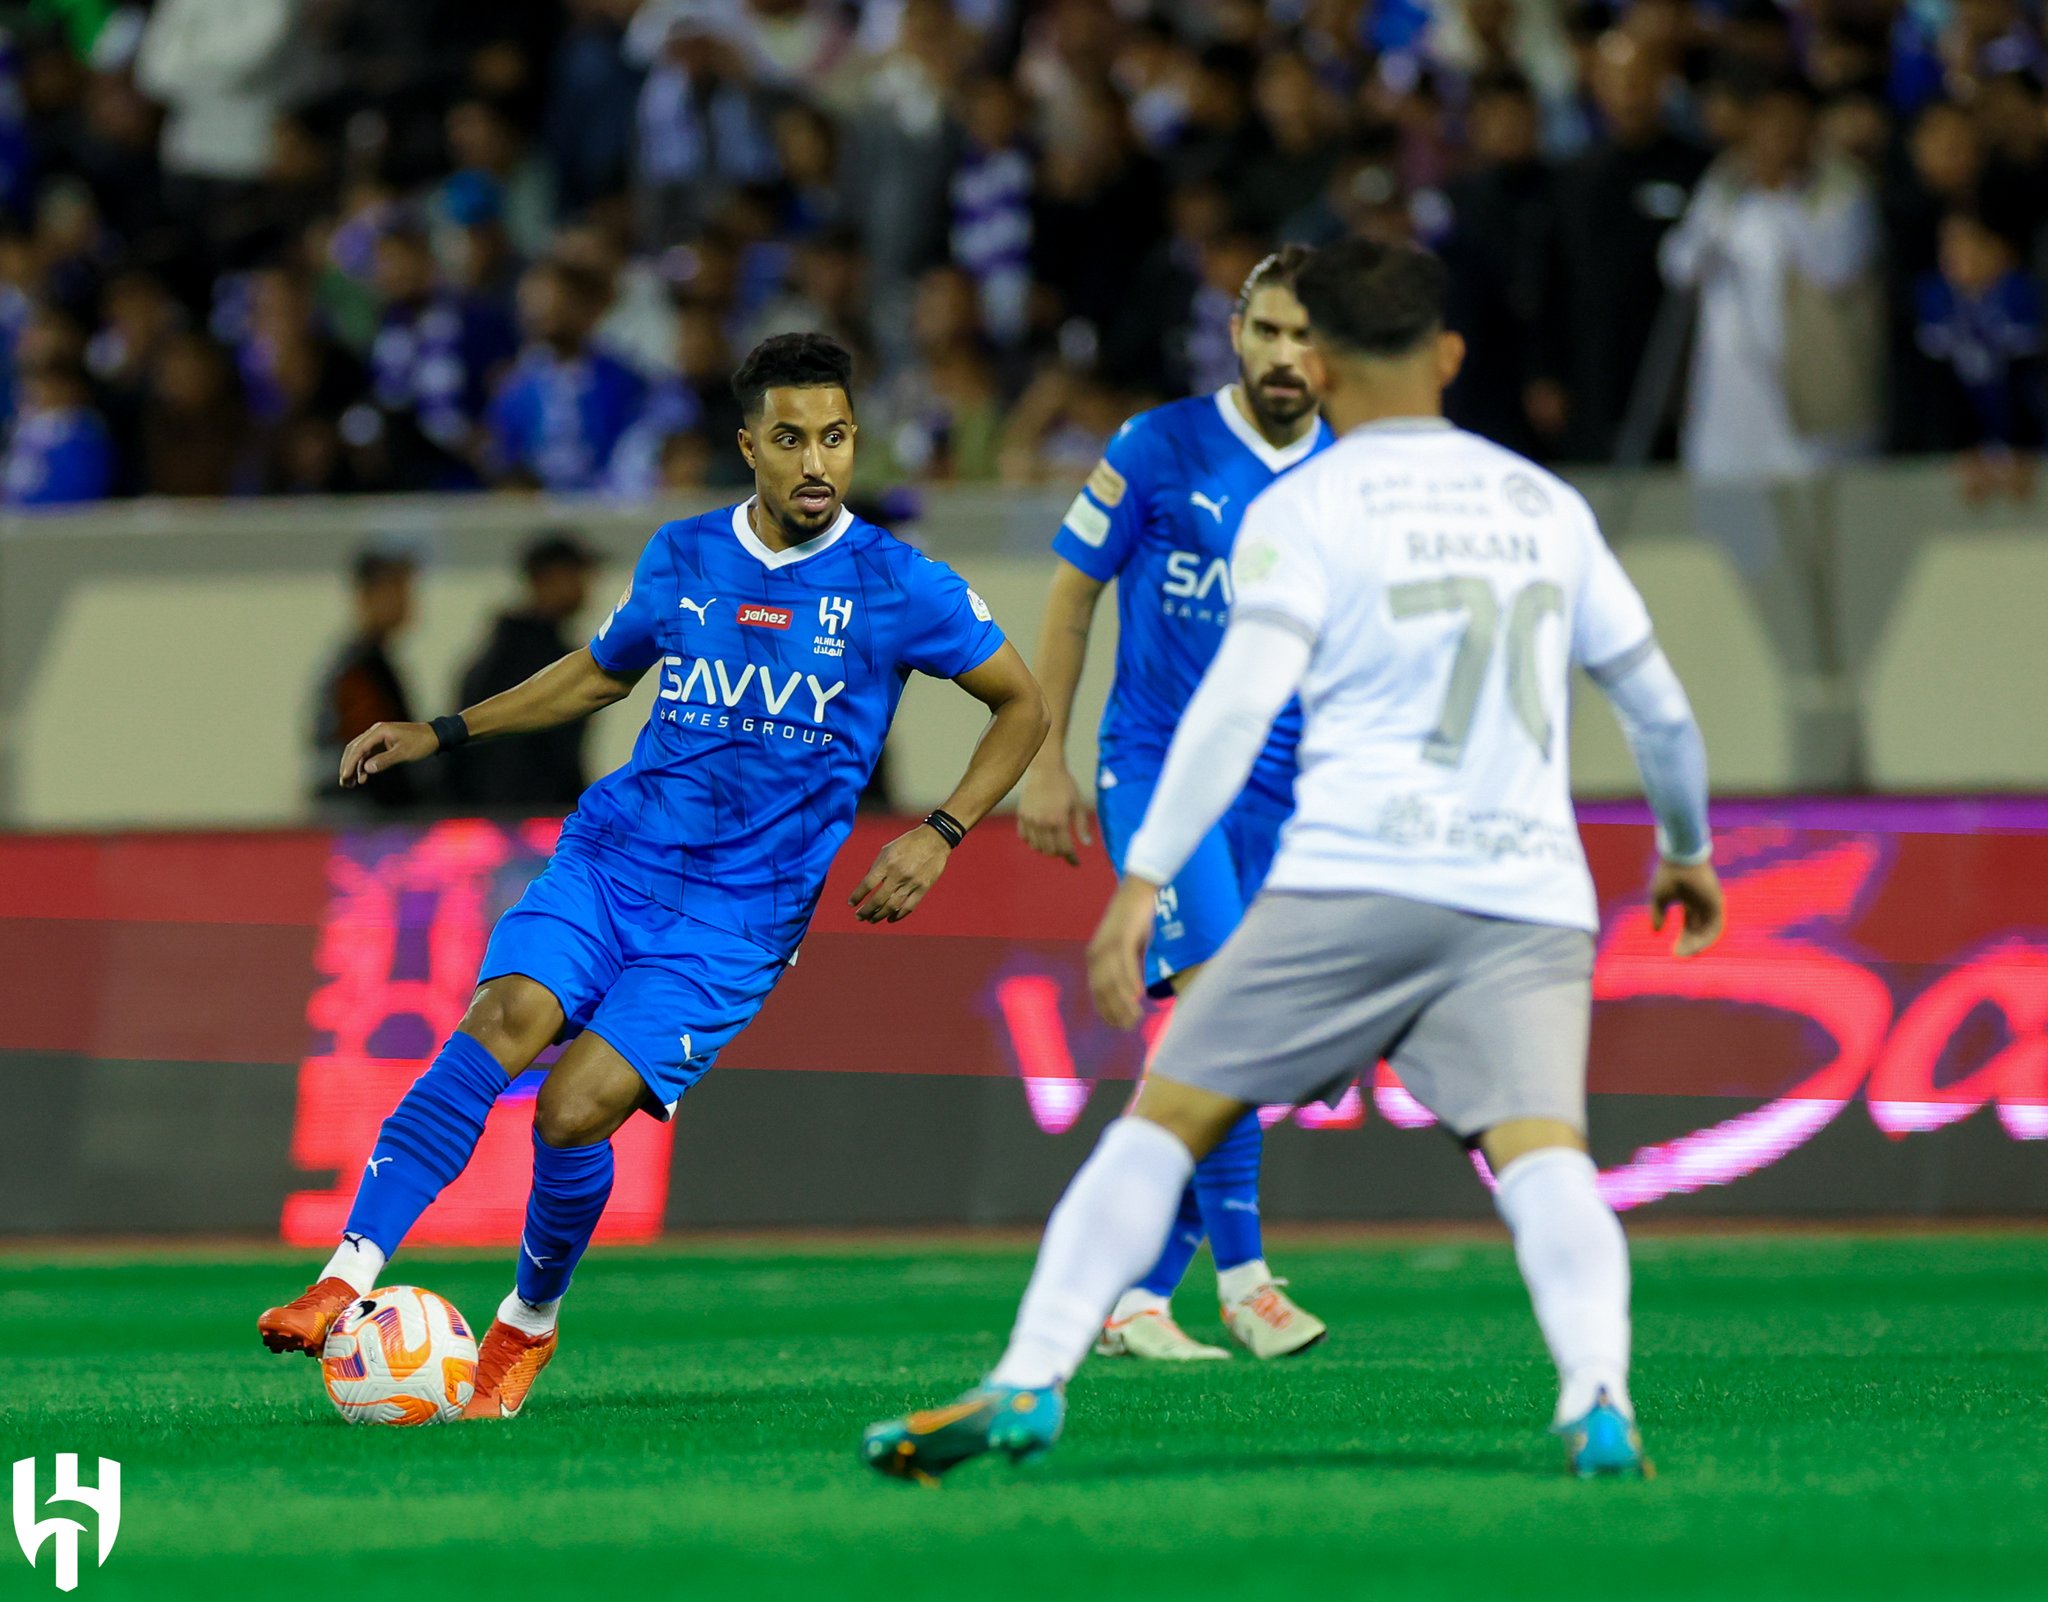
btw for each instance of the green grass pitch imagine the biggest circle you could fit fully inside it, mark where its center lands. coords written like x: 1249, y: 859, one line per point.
x: 1843, y: 1417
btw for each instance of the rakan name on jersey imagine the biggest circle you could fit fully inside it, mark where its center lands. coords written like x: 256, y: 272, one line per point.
x: 1472, y: 545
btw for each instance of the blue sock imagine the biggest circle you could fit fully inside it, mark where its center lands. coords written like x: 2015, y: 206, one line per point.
x: 571, y: 1184
x: 428, y: 1139
x: 1227, y: 1186
x: 1181, y: 1246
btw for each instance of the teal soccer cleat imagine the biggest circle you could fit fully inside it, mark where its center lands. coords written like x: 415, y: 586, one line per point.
x: 1604, y: 1441
x: 1021, y: 1424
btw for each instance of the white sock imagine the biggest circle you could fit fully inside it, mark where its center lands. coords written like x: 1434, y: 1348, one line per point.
x: 530, y: 1318
x: 1574, y: 1259
x: 1107, y: 1230
x: 1138, y: 1300
x: 1235, y: 1284
x: 356, y: 1261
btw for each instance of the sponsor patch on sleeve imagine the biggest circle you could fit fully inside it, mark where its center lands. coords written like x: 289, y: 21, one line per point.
x: 977, y: 605
x: 1107, y: 483
x: 1086, y: 521
x: 1250, y: 563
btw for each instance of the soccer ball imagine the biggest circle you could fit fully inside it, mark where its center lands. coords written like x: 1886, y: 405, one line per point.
x: 400, y: 1355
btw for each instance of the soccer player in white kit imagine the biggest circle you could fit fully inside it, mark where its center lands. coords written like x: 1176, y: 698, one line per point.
x: 1426, y: 593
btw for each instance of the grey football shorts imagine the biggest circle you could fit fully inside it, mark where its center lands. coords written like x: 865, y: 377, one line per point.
x: 1483, y: 1019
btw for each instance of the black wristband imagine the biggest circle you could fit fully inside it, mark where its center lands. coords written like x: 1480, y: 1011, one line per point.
x: 451, y: 731
x: 948, y: 828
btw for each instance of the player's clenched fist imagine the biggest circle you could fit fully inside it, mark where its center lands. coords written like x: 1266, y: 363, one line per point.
x: 385, y: 745
x: 909, y: 865
x: 1695, y: 891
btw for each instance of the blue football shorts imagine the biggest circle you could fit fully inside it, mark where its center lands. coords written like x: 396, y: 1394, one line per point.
x: 663, y: 990
x: 1208, y: 898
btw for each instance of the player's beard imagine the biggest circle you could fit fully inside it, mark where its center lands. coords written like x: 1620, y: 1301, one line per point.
x: 1277, y: 411
x: 801, y: 519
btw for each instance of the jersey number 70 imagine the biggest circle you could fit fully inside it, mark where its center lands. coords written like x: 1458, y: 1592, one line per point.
x: 1474, y: 597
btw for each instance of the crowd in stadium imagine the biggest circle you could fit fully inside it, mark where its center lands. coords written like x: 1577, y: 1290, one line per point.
x: 333, y: 246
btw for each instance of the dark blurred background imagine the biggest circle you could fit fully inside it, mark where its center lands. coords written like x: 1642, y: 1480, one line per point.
x: 290, y: 246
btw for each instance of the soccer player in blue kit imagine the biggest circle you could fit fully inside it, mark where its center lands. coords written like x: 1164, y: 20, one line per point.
x: 783, y: 630
x: 1159, y: 515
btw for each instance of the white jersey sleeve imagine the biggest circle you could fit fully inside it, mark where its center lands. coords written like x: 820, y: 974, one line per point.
x: 1255, y: 673
x: 1277, y: 569
x: 1613, y: 641
x: 1670, y: 755
x: 1610, y: 621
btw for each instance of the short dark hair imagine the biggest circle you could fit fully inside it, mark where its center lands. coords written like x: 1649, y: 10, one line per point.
x: 1373, y: 299
x: 792, y: 361
x: 1277, y: 271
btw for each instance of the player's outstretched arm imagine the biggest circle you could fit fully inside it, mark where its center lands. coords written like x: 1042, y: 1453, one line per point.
x: 560, y: 693
x: 1052, y: 817
x: 911, y: 863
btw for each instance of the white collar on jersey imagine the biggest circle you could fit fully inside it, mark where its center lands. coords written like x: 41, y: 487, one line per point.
x: 743, y: 531
x: 1421, y: 424
x: 1277, y: 458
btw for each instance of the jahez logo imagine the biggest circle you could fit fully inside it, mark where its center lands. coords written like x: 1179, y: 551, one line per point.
x: 766, y: 617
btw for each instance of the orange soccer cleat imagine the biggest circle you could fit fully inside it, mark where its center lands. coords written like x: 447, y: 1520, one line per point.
x: 507, y: 1364
x: 302, y: 1325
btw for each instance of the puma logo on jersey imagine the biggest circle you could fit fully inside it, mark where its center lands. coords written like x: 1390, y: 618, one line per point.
x: 376, y: 1163
x: 703, y: 611
x: 1213, y: 508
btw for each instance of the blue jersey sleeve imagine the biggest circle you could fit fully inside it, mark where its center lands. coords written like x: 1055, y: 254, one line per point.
x: 1102, y: 526
x: 629, y: 640
x: 950, y: 629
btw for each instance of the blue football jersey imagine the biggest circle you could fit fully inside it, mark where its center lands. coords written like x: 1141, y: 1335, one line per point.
x: 780, y: 672
x: 1159, y: 515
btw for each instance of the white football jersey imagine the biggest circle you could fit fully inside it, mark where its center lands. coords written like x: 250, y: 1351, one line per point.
x: 1447, y: 585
